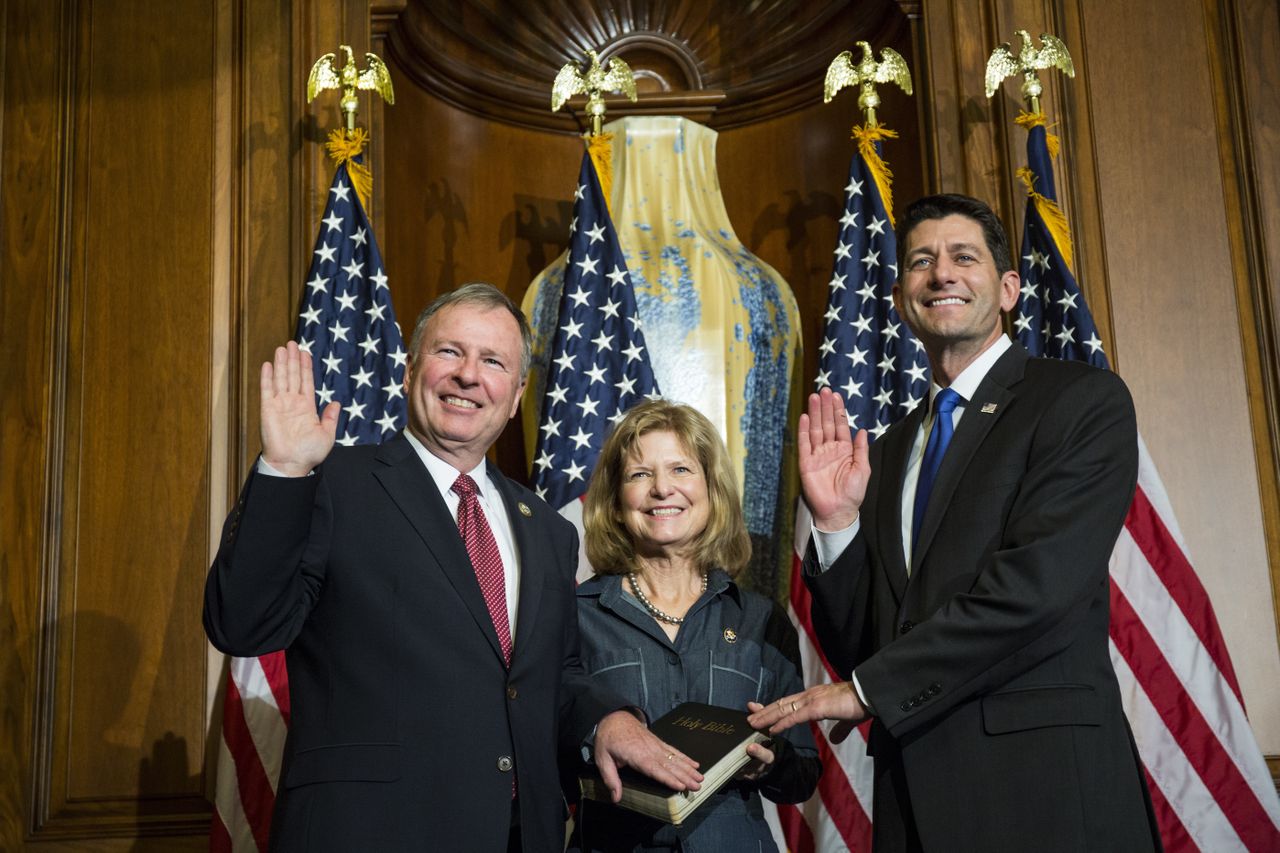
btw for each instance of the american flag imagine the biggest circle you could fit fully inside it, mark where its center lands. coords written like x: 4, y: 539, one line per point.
x: 349, y: 327
x: 599, y: 365
x: 1209, y: 782
x: 879, y: 368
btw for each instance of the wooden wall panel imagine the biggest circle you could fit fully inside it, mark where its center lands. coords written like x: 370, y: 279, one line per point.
x: 1254, y: 31
x: 31, y: 177
x: 126, y: 741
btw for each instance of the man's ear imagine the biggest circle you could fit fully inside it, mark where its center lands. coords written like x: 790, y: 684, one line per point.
x: 1010, y: 285
x: 897, y: 298
x: 515, y: 404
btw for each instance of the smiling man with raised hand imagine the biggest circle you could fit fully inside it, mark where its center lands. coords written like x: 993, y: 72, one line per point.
x: 426, y: 604
x: 959, y: 573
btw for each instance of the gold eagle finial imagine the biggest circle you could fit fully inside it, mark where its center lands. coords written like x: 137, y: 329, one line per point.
x: 1052, y: 53
x: 326, y: 75
x: 891, y: 68
x: 571, y: 81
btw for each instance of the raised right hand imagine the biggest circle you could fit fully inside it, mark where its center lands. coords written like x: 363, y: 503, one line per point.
x: 834, y: 465
x: 294, y: 439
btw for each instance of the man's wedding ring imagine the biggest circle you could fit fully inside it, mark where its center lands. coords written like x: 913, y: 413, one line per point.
x: 671, y: 756
x: 793, y: 707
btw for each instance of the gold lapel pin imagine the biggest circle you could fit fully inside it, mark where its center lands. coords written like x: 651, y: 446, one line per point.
x: 730, y: 635
x: 524, y: 509
x: 988, y: 408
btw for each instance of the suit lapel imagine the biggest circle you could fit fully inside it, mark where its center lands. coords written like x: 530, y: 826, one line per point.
x: 990, y: 403
x: 413, y: 491
x: 897, y: 449
x: 531, y: 570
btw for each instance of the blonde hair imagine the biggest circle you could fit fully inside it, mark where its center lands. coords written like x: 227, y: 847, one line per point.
x: 724, y: 542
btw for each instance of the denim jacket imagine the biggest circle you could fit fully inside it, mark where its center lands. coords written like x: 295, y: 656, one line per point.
x: 734, y: 646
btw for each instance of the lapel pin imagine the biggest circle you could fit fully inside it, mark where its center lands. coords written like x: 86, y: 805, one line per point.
x: 524, y: 509
x: 730, y: 635
x: 988, y: 408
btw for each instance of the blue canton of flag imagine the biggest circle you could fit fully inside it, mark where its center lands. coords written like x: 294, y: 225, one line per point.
x: 868, y: 354
x: 1052, y: 318
x: 348, y: 326
x: 599, y: 366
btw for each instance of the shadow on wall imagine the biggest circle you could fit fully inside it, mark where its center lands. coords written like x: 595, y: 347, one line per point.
x: 796, y: 217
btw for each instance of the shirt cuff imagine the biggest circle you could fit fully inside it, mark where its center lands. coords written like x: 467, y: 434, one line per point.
x: 265, y: 468
x: 862, y: 697
x: 831, y: 545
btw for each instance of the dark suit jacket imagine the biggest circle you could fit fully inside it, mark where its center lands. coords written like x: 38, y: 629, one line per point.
x: 404, y: 715
x: 988, y: 667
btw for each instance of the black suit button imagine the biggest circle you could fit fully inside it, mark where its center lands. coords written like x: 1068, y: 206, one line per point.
x: 673, y: 659
x: 905, y: 706
x: 906, y: 626
x: 505, y: 763
x: 512, y: 692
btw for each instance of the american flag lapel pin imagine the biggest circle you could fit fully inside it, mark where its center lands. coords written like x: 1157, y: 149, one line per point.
x: 988, y: 408
x: 524, y: 509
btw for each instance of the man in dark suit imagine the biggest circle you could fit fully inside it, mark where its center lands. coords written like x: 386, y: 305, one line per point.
x: 959, y: 573
x: 432, y: 671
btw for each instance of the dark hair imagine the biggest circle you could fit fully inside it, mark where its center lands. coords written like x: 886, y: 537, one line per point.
x: 723, y: 544
x: 486, y: 296
x: 948, y: 204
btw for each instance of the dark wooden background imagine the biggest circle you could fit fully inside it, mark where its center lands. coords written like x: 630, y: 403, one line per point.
x: 161, y: 181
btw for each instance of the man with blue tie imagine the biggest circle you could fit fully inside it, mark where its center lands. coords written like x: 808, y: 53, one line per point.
x: 959, y: 573
x: 426, y: 603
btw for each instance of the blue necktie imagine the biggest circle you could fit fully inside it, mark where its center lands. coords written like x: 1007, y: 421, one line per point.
x: 939, y: 438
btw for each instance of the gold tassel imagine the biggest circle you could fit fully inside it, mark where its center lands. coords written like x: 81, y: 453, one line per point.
x: 1052, y: 216
x: 1029, y: 120
x: 866, y: 137
x: 600, y: 147
x: 344, y: 148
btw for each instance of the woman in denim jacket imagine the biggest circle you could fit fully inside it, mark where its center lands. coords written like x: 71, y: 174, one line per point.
x: 663, y: 622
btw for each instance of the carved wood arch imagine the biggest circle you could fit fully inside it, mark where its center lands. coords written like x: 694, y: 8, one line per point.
x: 725, y: 63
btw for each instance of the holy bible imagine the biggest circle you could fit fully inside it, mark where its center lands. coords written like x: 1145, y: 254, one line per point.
x: 716, y: 738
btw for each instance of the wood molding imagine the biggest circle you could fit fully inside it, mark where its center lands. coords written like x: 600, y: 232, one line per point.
x: 768, y: 62
x: 1244, y: 35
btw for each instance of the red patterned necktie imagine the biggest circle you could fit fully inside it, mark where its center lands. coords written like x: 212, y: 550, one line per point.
x: 482, y: 548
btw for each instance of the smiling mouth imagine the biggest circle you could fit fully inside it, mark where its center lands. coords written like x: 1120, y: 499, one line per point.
x: 665, y: 511
x: 944, y: 302
x: 460, y: 403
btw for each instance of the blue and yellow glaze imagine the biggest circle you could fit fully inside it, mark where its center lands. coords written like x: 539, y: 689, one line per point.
x: 722, y: 325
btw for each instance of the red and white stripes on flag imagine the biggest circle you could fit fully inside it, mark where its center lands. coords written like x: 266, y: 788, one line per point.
x: 255, y: 720
x: 1210, y: 784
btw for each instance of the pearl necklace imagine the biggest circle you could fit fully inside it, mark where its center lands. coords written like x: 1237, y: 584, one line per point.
x: 648, y: 605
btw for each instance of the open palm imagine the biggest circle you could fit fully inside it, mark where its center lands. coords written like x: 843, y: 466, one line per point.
x: 294, y: 438
x: 834, y: 465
